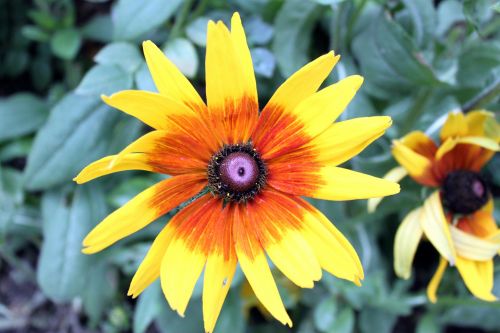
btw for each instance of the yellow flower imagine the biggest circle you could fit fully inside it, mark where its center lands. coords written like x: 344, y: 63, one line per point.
x: 457, y: 217
x: 255, y: 166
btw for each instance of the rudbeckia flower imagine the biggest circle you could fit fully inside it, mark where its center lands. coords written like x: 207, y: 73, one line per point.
x: 254, y: 168
x: 457, y: 218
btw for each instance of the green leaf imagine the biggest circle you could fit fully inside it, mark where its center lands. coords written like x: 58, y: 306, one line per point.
x: 21, y: 114
x: 15, y: 149
x: 477, y: 62
x: 231, y: 318
x: 374, y: 320
x: 264, y: 62
x: 344, y: 322
x: 121, y: 54
x: 479, y: 12
x: 66, y: 43
x: 62, y: 268
x: 292, y: 37
x: 100, y: 289
x: 74, y: 135
x: 325, y: 314
x: 133, y: 18
x: 183, y: 54
x: 148, y: 307
x: 104, y: 79
x: 143, y: 79
x: 424, y: 20
x: 429, y: 323
x: 35, y: 33
x: 99, y: 28
x: 170, y: 322
x: 197, y: 31
x: 449, y: 13
x: 390, y: 60
x: 258, y: 32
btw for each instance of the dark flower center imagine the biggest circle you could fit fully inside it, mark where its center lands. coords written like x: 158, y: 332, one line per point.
x: 236, y: 173
x: 464, y: 192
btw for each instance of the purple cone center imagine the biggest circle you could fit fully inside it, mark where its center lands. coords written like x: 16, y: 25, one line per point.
x: 478, y: 188
x: 239, y: 171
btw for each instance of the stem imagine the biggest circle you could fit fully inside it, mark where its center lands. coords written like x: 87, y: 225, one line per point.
x: 180, y: 18
x: 483, y: 97
x: 200, y: 8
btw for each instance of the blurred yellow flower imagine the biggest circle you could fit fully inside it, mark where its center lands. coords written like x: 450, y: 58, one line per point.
x: 256, y: 168
x: 457, y: 217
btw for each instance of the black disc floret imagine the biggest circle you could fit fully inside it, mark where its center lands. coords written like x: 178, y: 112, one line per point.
x: 464, y: 192
x: 236, y: 173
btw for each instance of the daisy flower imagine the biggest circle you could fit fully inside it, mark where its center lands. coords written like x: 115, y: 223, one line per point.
x: 254, y: 168
x: 457, y: 218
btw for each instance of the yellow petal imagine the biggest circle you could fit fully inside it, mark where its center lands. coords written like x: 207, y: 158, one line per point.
x: 473, y: 248
x: 485, y: 270
x: 303, y: 83
x: 406, y: 242
x: 455, y: 126
x: 345, y: 139
x: 334, y: 252
x: 155, y: 110
x: 321, y: 109
x: 180, y: 269
x: 436, y: 228
x: 477, y: 284
x: 394, y: 175
x: 476, y: 121
x: 436, y: 280
x: 417, y: 165
x: 142, y: 210
x: 168, y: 79
x: 343, y: 184
x: 149, y: 269
x: 254, y: 265
x: 482, y: 142
x: 110, y: 164
x: 295, y: 259
x: 218, y: 276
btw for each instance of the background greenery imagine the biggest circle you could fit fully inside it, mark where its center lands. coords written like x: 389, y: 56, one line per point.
x: 420, y: 59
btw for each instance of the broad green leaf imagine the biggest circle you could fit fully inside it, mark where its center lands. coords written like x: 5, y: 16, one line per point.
x: 374, y: 320
x: 424, y: 21
x: 143, y: 79
x: 21, y: 114
x: 449, y: 13
x: 429, y: 323
x: 264, y: 62
x: 479, y: 12
x: 104, y: 79
x: 293, y: 32
x: 99, y: 28
x: 62, y: 269
x: 132, y: 18
x: 344, y: 322
x: 257, y: 31
x: 197, y: 31
x: 122, y: 54
x: 231, y: 318
x: 33, y: 32
x: 170, y: 322
x: 15, y: 149
x: 390, y: 60
x: 66, y: 43
x: 325, y: 314
x: 183, y: 54
x: 100, y: 289
x: 75, y: 134
x: 148, y: 307
x: 477, y: 62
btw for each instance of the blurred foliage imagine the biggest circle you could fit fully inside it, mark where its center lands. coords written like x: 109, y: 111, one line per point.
x: 420, y: 59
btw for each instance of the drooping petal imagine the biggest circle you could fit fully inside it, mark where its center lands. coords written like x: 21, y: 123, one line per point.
x: 230, y: 80
x: 406, y: 242
x: 329, y: 183
x: 476, y: 122
x: 455, y: 126
x: 436, y: 280
x: 346, y: 139
x: 310, y: 117
x: 187, y: 253
x: 477, y: 283
x: 168, y: 78
x: 436, y: 227
x: 394, y: 175
x: 278, y: 228
x: 220, y: 267
x: 415, y: 152
x: 254, y: 265
x: 334, y: 252
x: 110, y: 164
x: 276, y: 115
x: 142, y: 210
x: 471, y: 247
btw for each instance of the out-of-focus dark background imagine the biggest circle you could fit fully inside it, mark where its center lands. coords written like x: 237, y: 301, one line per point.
x: 420, y: 59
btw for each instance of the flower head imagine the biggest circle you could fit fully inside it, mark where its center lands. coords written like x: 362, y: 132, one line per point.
x: 457, y: 218
x: 255, y: 166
